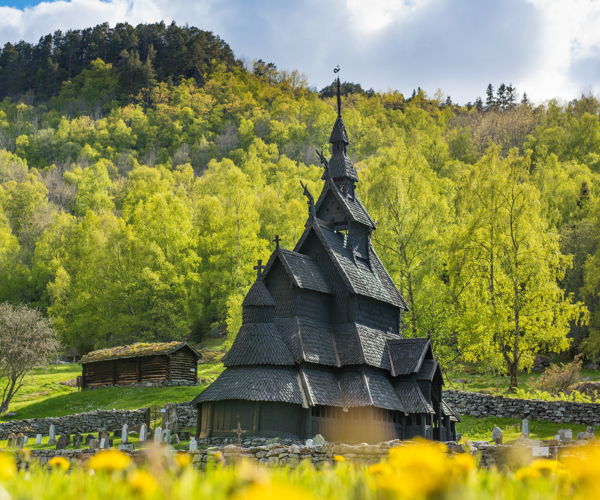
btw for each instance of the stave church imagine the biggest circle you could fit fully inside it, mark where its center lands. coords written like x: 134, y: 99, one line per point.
x: 320, y: 350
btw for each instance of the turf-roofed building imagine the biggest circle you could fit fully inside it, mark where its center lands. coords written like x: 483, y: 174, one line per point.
x: 320, y: 350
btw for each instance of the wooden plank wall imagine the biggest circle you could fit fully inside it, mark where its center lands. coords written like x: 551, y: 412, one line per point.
x: 183, y: 366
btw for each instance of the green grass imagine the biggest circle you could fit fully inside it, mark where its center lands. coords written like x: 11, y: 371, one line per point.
x: 480, y: 429
x: 477, y: 380
x: 43, y: 396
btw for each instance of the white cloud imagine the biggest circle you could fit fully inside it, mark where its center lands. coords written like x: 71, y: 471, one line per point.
x: 546, y: 47
x: 570, y: 34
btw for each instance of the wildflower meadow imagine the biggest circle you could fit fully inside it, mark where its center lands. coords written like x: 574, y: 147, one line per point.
x: 422, y: 470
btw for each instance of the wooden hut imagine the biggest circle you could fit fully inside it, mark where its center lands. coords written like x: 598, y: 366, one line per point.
x: 141, y: 365
x: 320, y: 350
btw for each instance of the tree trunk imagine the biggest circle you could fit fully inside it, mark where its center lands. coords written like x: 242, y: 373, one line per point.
x: 513, y: 376
x: 413, y: 317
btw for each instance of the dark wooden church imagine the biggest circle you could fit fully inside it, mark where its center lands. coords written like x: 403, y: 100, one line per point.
x: 320, y: 350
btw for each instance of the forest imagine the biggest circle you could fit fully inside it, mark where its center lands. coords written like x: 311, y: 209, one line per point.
x: 144, y: 170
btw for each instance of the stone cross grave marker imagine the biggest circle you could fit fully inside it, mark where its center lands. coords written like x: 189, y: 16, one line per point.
x: 77, y: 439
x: 525, y: 428
x: 142, y: 433
x: 61, y: 444
x: 239, y: 433
x: 52, y: 434
x: 193, y: 444
x: 125, y: 434
x: 158, y: 435
x: 38, y: 439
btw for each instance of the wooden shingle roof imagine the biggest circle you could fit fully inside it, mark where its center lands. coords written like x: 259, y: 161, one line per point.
x: 136, y: 351
x: 407, y: 355
x: 258, y: 295
x: 353, y: 207
x: 258, y: 344
x: 304, y: 271
x: 254, y: 383
x: 338, y: 133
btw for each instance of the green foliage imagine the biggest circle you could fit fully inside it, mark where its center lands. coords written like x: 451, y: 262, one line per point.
x: 135, y: 202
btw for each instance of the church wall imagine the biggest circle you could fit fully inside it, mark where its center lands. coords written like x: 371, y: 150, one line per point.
x: 264, y: 419
x: 313, y: 305
x: 279, y: 285
x: 359, y: 238
x: 339, y: 305
x: 375, y: 314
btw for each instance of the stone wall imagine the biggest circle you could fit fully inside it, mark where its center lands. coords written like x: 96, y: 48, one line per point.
x: 81, y: 422
x: 186, y: 415
x: 484, y: 405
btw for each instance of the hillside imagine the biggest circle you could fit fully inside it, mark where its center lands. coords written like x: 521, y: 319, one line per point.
x: 133, y: 208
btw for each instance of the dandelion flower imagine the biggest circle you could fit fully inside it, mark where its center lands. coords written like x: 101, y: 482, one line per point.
x: 110, y: 460
x: 339, y: 458
x: 59, y: 463
x: 183, y: 460
x: 8, y: 467
x: 141, y: 482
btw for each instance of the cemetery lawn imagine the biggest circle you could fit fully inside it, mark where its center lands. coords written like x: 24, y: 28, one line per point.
x: 42, y: 395
x: 480, y: 429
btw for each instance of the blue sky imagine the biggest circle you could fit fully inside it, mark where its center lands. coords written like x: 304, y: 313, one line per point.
x: 548, y: 48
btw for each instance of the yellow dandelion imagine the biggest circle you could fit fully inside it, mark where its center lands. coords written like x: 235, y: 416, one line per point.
x: 377, y: 468
x: 339, y: 458
x: 272, y: 492
x: 528, y: 474
x: 546, y: 467
x: 183, y: 460
x: 462, y: 463
x: 110, y: 460
x: 59, y: 463
x: 141, y: 482
x: 8, y: 467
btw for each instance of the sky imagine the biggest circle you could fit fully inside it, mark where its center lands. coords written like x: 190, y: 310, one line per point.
x: 547, y: 48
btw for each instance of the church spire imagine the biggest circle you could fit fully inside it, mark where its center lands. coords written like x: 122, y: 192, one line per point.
x: 339, y: 167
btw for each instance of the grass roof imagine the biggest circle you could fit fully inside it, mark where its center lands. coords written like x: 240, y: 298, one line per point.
x: 134, y: 351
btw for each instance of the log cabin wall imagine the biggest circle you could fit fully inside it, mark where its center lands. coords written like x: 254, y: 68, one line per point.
x: 183, y: 366
x: 154, y: 368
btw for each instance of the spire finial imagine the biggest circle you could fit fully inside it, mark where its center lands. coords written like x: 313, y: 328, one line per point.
x: 339, y: 99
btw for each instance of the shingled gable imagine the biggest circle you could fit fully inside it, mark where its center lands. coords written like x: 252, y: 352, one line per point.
x: 319, y: 350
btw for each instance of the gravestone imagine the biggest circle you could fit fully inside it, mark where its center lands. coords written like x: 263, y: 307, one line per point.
x: 52, y: 434
x: 142, y: 433
x: 61, y: 444
x: 309, y: 443
x: 497, y: 435
x: 318, y: 440
x: 93, y: 444
x: 89, y: 438
x: 158, y: 435
x: 38, y: 439
x: 587, y: 436
x: 104, y: 444
x: 170, y: 421
x: 26, y: 440
x: 590, y: 430
x: 565, y: 434
x: 525, y: 428
x: 67, y: 437
x: 580, y: 436
x: 12, y: 440
x: 175, y: 439
x: 193, y: 444
x: 167, y: 436
x: 77, y: 439
x: 128, y: 447
x: 20, y: 441
x: 125, y: 434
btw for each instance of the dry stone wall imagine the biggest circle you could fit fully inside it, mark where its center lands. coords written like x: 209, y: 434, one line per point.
x: 484, y: 405
x: 79, y: 422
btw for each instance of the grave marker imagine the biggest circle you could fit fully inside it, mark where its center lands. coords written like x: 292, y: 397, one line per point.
x: 52, y: 434
x: 158, y: 435
x: 193, y: 444
x: 77, y: 439
x: 38, y: 439
x: 125, y: 434
x: 93, y: 444
x: 525, y: 428
x: 142, y: 433
x: 497, y: 435
x: 61, y: 444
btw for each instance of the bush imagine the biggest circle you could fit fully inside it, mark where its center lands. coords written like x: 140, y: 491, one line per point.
x: 558, y: 378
